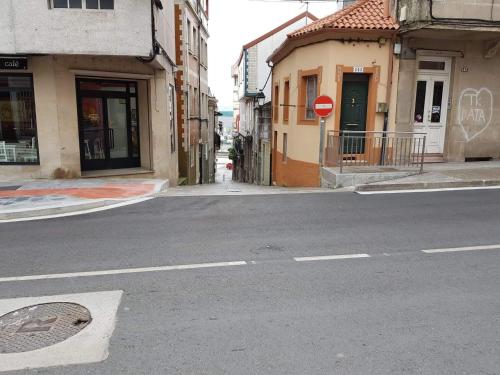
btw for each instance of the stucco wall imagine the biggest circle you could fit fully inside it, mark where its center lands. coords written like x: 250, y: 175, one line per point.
x: 473, y: 126
x: 57, y: 120
x: 418, y: 10
x: 303, y: 140
x: 267, y: 47
x: 29, y: 26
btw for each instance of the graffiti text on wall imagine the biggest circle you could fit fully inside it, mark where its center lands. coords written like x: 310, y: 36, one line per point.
x: 475, y: 111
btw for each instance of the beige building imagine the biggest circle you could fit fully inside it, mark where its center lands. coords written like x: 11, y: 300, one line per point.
x: 96, y: 100
x: 448, y: 76
x: 347, y: 56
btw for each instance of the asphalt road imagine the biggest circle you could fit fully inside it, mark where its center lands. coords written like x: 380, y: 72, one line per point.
x: 399, y: 311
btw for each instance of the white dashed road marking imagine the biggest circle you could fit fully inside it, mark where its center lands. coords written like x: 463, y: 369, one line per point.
x: 121, y: 271
x: 230, y: 264
x: 331, y: 257
x: 468, y: 248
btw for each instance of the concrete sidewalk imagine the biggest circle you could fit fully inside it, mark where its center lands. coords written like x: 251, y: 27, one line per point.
x: 224, y: 185
x: 34, y: 198
x: 443, y: 176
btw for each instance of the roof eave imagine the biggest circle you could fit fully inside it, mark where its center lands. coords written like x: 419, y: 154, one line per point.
x: 290, y: 44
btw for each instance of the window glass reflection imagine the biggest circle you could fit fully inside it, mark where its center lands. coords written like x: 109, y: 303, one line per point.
x: 18, y: 136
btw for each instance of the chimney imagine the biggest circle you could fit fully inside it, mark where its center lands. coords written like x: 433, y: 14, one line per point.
x: 386, y: 8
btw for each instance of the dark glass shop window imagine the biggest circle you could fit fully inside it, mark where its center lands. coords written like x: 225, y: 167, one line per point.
x: 92, y: 4
x: 420, y: 101
x: 75, y: 4
x: 18, y: 135
x: 432, y: 65
x: 107, y: 4
x: 104, y: 86
x: 437, y: 100
x: 60, y: 3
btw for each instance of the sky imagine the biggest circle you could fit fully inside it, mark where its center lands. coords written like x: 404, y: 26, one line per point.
x: 234, y: 23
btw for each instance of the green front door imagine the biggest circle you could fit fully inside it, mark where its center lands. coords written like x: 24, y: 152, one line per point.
x: 353, y: 112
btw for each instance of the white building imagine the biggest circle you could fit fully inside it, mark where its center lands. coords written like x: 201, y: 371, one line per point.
x: 252, y: 78
x: 86, y: 88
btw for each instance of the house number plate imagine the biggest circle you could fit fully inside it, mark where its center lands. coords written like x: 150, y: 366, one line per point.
x: 358, y: 69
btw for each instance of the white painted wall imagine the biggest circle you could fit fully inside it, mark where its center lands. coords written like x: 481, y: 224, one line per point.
x: 266, y: 48
x: 252, y: 72
x: 29, y: 26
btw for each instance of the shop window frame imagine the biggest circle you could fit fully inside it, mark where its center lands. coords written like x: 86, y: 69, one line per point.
x: 33, y: 116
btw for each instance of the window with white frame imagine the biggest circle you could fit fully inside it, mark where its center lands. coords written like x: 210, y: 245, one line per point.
x: 83, y: 4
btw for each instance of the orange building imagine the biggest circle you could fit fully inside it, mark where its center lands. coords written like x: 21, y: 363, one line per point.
x: 347, y: 56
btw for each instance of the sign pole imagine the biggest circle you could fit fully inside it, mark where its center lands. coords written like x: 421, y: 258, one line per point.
x: 321, y: 140
x: 323, y: 106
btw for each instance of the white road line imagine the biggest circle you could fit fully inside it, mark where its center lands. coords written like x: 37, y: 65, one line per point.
x: 426, y: 190
x: 331, y: 257
x: 82, y: 212
x: 468, y: 248
x: 121, y: 271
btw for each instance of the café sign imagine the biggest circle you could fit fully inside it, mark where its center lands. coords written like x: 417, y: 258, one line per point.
x: 13, y: 63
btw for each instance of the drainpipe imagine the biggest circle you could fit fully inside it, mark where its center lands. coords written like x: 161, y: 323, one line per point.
x: 272, y: 129
x: 155, y: 49
x: 198, y: 13
x: 388, y: 95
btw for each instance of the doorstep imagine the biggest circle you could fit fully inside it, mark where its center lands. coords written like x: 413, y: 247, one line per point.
x: 122, y: 172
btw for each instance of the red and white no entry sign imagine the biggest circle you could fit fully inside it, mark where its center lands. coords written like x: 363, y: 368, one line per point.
x: 323, y: 106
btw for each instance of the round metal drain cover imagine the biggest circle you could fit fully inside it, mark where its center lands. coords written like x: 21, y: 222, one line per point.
x: 39, y: 326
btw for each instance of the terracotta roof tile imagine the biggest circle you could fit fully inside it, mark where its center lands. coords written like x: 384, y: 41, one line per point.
x: 362, y: 15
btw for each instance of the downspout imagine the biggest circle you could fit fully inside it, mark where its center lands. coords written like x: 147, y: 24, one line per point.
x: 198, y: 13
x: 154, y: 50
x: 388, y: 96
x: 272, y: 130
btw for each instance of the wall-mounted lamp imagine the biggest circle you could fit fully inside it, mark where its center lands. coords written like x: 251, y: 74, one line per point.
x: 261, y: 98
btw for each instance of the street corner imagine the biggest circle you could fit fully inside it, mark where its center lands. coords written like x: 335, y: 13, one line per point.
x: 61, y: 330
x: 46, y: 199
x: 86, y: 189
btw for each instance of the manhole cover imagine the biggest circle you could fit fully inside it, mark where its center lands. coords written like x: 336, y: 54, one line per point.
x: 39, y: 326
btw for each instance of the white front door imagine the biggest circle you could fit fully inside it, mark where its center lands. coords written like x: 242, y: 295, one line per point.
x: 431, y: 101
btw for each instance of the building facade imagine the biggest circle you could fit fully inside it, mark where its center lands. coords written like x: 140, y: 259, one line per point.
x: 191, y: 29
x: 448, y: 76
x: 87, y: 88
x: 213, y: 139
x: 252, y: 97
x: 347, y: 56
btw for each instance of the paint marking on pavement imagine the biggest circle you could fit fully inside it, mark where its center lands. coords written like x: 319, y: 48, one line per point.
x: 468, y: 248
x: 331, y: 257
x: 121, y: 271
x: 426, y: 190
x: 82, y: 212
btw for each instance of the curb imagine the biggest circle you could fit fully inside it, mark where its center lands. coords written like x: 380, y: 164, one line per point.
x: 160, y: 187
x: 55, y: 210
x: 428, y: 185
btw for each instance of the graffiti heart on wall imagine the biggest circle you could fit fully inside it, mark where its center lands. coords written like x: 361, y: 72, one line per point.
x: 475, y: 111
